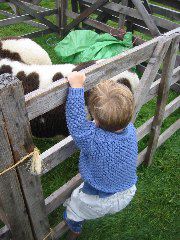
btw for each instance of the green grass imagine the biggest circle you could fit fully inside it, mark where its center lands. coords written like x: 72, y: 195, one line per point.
x: 153, y: 214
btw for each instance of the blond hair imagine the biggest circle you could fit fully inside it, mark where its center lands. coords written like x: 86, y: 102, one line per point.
x: 111, y: 104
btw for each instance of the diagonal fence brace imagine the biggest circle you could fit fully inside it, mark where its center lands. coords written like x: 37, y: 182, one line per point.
x: 84, y: 15
x: 147, y: 18
x: 34, y: 14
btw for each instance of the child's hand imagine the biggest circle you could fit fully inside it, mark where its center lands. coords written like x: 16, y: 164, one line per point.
x: 76, y: 79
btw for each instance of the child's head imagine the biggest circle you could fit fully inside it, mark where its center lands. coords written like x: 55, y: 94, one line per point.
x: 111, y: 104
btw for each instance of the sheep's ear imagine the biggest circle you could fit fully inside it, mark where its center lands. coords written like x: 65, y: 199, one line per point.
x: 125, y: 82
x: 30, y: 82
x: 57, y: 76
x: 130, y: 79
x: 5, y: 69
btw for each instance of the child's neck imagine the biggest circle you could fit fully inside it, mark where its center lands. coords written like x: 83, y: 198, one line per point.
x: 118, y: 131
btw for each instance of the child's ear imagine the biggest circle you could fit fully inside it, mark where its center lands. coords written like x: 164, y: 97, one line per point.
x: 96, y: 122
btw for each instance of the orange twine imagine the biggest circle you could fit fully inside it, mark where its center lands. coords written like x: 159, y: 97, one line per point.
x: 36, y: 158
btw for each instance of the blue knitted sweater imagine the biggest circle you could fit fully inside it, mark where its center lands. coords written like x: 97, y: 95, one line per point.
x: 107, y: 159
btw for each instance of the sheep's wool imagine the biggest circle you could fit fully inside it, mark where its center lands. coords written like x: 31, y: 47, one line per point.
x: 45, y: 72
x: 30, y: 51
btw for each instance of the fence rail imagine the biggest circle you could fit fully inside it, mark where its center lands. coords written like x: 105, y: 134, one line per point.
x: 115, y: 9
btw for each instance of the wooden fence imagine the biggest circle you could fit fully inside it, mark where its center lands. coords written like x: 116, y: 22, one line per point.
x: 23, y: 208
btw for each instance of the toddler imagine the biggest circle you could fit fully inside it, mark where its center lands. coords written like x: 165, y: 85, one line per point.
x: 108, y: 147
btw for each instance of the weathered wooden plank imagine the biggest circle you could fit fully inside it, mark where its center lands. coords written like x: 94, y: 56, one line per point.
x: 99, y: 25
x: 150, y: 74
x: 147, y: 6
x: 11, y: 196
x: 58, y: 15
x: 60, y: 230
x: 163, y: 137
x: 115, y: 9
x: 103, y: 17
x: 36, y: 7
x: 154, y: 87
x: 84, y: 15
x: 172, y: 14
x: 41, y: 101
x: 129, y: 24
x: 36, y: 24
x: 168, y: 66
x: 141, y: 156
x: 30, y: 22
x: 58, y: 153
x: 36, y: 15
x: 176, y: 87
x: 18, y: 19
x: 122, y: 17
x: 141, y: 29
x: 82, y: 8
x: 162, y: 23
x: 137, y: 24
x: 19, y: 134
x: 144, y: 129
x: 5, y: 233
x: 169, y: 132
x: 63, y: 5
x: 174, y: 3
x: 59, y: 196
x: 148, y: 19
x: 37, y: 33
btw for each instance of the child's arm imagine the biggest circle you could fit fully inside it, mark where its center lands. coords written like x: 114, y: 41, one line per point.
x: 79, y: 127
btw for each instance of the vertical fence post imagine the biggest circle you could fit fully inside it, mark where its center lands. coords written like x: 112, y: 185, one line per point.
x: 122, y: 17
x: 147, y: 18
x: 129, y: 23
x: 12, y: 203
x: 63, y: 5
x: 58, y: 16
x: 167, y: 72
x: 20, y: 138
x: 150, y: 73
x: 74, y: 4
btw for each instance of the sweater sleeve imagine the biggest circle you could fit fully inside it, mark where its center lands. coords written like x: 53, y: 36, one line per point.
x: 80, y: 128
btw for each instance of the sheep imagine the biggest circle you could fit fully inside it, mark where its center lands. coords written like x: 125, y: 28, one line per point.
x: 31, y: 64
x: 23, y: 50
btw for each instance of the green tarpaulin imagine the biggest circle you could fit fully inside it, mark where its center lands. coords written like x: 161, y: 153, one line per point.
x: 86, y: 45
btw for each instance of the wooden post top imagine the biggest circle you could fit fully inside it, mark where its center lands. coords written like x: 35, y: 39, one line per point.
x: 7, y: 79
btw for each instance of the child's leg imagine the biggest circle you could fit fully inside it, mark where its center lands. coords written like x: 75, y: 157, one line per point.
x: 81, y: 206
x: 72, y: 236
x: 74, y: 226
